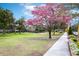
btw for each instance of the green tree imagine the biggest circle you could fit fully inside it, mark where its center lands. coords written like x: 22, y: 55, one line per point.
x: 6, y: 18
x: 20, y: 25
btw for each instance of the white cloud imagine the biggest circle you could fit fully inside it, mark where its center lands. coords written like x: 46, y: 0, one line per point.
x: 28, y: 7
x: 42, y: 4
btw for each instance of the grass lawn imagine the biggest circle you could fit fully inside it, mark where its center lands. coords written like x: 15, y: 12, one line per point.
x: 26, y: 43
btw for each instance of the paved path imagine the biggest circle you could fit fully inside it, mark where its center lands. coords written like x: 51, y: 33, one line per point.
x: 60, y: 48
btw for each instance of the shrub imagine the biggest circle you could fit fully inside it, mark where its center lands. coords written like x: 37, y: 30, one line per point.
x: 77, y: 48
x: 76, y: 51
x: 70, y: 31
x: 74, y: 48
x: 72, y: 36
x: 74, y: 40
x: 77, y: 44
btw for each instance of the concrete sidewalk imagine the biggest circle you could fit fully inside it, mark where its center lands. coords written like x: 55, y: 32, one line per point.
x: 60, y: 48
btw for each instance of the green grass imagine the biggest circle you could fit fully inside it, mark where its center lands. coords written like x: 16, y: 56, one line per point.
x: 17, y: 35
x: 25, y: 43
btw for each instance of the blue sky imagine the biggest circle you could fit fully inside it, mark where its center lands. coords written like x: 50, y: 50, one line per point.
x: 20, y: 9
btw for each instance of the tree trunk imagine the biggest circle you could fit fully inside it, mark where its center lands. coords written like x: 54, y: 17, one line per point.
x: 4, y: 31
x: 50, y: 34
x: 19, y: 31
x: 14, y: 29
x: 54, y: 32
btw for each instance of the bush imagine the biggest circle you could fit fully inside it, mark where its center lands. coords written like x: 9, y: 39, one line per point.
x: 70, y: 31
x: 77, y: 44
x: 76, y: 51
x: 74, y: 39
x: 77, y: 48
x: 72, y: 36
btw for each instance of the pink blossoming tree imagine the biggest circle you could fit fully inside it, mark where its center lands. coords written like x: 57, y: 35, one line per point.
x: 49, y: 15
